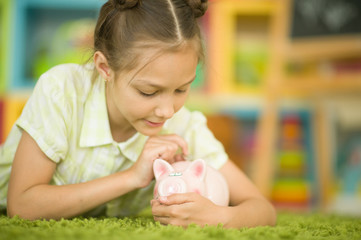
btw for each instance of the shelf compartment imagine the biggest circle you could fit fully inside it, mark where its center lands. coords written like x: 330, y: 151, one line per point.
x: 229, y: 16
x: 38, y: 30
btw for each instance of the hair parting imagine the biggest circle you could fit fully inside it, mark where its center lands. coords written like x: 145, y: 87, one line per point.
x: 125, y: 28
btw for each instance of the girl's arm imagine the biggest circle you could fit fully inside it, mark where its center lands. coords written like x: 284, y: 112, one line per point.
x: 31, y: 197
x: 248, y: 208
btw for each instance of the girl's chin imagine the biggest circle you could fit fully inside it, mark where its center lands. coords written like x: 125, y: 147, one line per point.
x: 147, y: 131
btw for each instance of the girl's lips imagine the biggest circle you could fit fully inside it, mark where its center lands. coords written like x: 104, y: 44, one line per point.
x: 154, y: 124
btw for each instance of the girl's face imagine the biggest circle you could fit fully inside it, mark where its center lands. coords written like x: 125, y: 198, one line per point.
x: 142, y: 101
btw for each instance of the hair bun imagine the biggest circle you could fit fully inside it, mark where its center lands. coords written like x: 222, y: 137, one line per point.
x: 199, y: 7
x: 124, y: 4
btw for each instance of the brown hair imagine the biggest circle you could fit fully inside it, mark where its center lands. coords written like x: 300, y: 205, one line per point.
x: 126, y: 27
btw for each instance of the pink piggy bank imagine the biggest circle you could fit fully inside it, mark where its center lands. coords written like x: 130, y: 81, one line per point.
x: 186, y: 176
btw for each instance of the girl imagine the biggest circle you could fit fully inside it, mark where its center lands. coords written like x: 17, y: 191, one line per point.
x: 87, y: 138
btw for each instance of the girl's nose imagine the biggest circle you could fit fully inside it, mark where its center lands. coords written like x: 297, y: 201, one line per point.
x: 165, y: 109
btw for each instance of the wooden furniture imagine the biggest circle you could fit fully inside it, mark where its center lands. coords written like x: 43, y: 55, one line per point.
x: 277, y: 86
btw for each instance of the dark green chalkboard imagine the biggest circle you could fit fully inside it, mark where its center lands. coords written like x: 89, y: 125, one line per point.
x: 319, y: 18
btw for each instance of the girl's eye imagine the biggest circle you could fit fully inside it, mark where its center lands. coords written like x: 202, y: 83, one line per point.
x: 147, y: 94
x: 180, y: 91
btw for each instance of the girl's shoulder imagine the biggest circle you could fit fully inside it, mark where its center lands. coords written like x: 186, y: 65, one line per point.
x: 67, y: 79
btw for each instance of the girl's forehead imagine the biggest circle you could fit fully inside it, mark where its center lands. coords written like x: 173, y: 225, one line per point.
x: 179, y: 66
x: 149, y: 58
x: 152, y: 49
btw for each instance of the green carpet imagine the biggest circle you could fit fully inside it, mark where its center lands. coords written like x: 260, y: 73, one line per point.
x: 289, y: 226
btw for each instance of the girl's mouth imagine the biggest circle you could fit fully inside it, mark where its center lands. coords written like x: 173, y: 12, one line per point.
x: 154, y: 124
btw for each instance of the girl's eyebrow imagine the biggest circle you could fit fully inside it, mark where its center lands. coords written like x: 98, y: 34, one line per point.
x: 148, y: 83
x: 189, y: 81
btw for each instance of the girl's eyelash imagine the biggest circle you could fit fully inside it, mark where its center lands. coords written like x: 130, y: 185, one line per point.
x: 180, y: 91
x: 147, y: 94
x: 152, y: 94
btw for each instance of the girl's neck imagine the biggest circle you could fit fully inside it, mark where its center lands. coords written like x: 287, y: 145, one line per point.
x: 120, y: 136
x: 120, y: 128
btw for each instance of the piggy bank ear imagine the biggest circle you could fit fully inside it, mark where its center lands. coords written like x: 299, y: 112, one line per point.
x: 161, y: 167
x: 198, y: 168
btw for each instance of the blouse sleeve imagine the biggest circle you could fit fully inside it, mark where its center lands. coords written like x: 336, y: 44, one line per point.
x: 45, y: 116
x: 192, y: 126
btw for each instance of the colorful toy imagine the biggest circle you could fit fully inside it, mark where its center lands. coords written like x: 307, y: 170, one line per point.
x: 187, y: 176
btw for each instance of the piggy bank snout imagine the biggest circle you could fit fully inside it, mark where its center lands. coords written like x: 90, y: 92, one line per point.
x: 172, y: 185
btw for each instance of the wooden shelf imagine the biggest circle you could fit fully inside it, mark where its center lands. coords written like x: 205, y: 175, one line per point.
x: 218, y: 103
x: 245, y: 7
x: 343, y: 83
x: 320, y: 48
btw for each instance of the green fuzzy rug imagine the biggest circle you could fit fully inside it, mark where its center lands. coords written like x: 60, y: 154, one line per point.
x: 289, y: 226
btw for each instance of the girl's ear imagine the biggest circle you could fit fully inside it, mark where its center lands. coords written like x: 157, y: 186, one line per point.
x: 161, y: 167
x: 198, y: 169
x: 101, y: 64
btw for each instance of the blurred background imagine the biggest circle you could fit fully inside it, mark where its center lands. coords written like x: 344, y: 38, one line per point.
x: 281, y: 86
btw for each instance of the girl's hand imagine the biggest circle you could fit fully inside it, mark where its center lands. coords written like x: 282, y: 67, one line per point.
x: 164, y: 147
x: 186, y: 208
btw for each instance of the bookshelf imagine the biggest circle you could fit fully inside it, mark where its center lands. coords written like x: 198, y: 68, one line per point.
x: 29, y: 29
x: 296, y: 69
x: 6, y: 24
x: 42, y: 25
x: 295, y: 184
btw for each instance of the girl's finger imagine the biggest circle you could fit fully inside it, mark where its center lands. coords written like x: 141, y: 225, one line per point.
x: 159, y: 210
x: 168, y: 151
x: 178, y: 198
x: 178, y: 158
x: 162, y: 220
x: 178, y: 140
x: 160, y: 149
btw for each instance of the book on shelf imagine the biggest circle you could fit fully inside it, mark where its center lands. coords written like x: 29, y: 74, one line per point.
x: 225, y: 128
x: 294, y: 184
x: 2, y: 109
x: 49, y: 33
x: 13, y: 107
x: 250, y: 52
x: 70, y: 42
x: 237, y: 135
x: 331, y: 69
x: 199, y: 81
x: 292, y: 190
x: 346, y: 182
x: 346, y: 66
